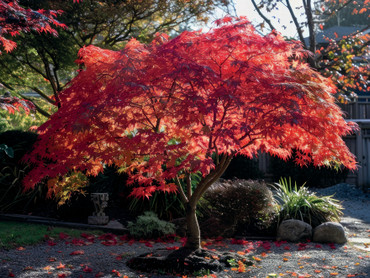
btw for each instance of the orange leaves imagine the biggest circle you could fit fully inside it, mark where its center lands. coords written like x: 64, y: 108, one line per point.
x: 241, y: 267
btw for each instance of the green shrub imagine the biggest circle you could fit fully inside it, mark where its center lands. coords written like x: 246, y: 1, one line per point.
x: 149, y: 225
x: 244, y: 206
x: 300, y: 203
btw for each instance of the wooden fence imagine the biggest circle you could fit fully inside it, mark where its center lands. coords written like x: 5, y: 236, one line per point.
x: 359, y: 111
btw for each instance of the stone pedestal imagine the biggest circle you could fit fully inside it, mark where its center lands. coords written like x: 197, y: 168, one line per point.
x: 100, y: 201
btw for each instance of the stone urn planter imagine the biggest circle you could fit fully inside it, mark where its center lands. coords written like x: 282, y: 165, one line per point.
x: 100, y: 201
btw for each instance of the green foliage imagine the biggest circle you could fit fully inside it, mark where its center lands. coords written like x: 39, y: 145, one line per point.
x: 20, y: 120
x: 244, y: 205
x: 149, y: 225
x: 299, y: 203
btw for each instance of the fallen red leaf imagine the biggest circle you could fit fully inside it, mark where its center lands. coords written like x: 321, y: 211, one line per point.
x: 266, y: 245
x: 107, y: 236
x: 332, y: 245
x: 148, y: 244
x: 87, y: 269
x: 109, y: 242
x: 63, y: 236
x: 61, y: 266
x: 77, y: 252
x: 239, y: 241
x: 51, y: 243
x: 116, y: 272
x: 88, y: 237
x: 78, y: 242
x: 11, y: 274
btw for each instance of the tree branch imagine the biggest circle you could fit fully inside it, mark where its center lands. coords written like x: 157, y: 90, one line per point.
x: 296, y: 23
x: 183, y: 197
x: 262, y: 15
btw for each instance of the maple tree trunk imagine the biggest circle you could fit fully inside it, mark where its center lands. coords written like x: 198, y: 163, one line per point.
x: 193, y: 231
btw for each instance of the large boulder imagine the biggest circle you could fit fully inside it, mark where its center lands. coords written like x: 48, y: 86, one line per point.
x: 329, y: 232
x: 294, y: 230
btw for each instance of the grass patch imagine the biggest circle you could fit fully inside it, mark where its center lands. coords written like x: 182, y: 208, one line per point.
x: 16, y: 234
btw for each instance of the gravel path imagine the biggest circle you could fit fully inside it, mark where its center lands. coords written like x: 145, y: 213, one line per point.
x: 106, y: 257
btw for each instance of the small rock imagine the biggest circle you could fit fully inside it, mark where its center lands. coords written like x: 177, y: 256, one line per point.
x: 294, y: 230
x: 329, y: 232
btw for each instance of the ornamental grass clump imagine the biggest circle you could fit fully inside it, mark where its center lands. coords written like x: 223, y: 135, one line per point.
x: 301, y: 204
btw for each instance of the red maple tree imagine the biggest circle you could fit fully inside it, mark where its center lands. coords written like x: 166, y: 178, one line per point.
x: 15, y: 19
x: 167, y: 110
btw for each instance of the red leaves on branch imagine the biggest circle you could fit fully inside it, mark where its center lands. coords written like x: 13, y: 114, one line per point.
x: 12, y: 104
x: 15, y: 19
x: 159, y: 111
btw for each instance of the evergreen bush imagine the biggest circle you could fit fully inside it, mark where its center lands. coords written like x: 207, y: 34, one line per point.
x: 149, y: 225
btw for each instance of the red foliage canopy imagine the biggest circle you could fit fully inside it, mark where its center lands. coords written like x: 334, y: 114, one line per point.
x: 15, y: 19
x: 160, y: 111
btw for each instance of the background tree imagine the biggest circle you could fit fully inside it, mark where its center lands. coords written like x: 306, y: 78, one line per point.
x: 164, y: 111
x: 45, y: 64
x: 15, y: 20
x: 315, y: 15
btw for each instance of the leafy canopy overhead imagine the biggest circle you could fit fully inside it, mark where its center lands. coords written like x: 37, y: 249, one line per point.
x: 174, y: 107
